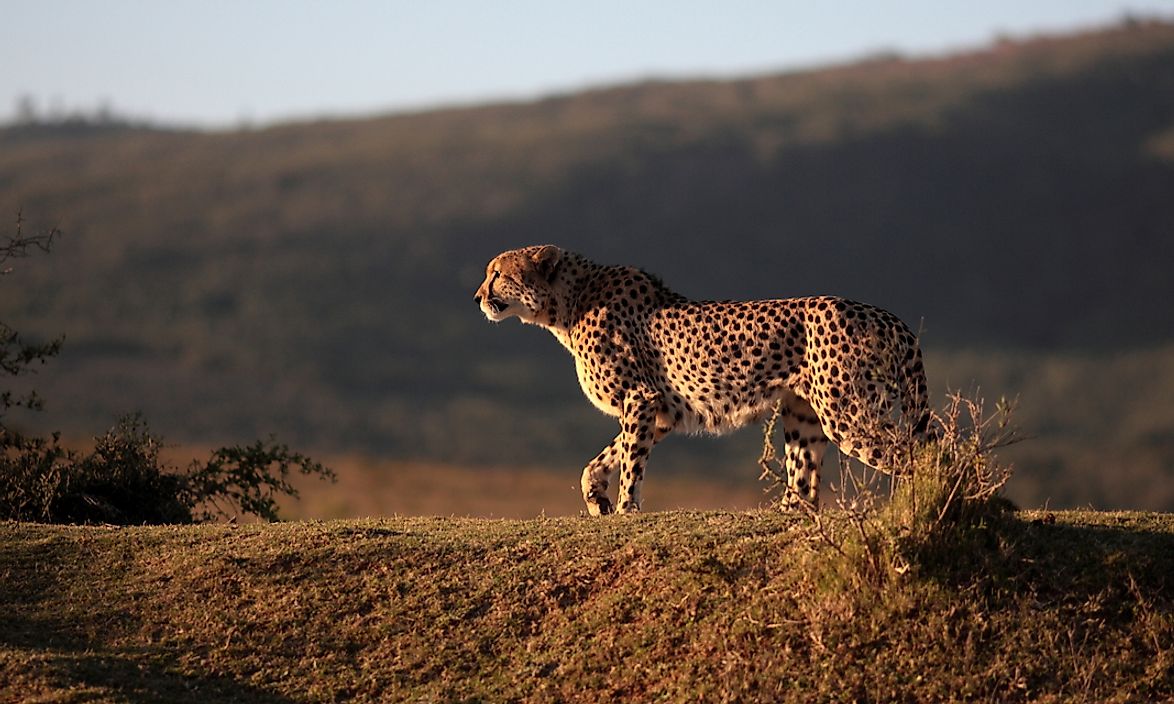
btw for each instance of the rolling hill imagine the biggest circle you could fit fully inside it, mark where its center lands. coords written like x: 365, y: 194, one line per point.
x: 314, y: 279
x: 675, y: 606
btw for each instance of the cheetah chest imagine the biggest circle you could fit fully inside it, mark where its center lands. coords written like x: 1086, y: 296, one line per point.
x: 608, y: 363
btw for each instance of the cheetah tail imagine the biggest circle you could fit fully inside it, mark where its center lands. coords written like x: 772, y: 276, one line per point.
x: 915, y: 401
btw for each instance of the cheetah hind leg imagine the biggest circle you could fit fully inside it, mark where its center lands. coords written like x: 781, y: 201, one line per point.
x: 803, y: 450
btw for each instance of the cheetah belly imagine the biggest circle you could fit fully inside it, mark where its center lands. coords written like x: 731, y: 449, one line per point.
x: 719, y: 413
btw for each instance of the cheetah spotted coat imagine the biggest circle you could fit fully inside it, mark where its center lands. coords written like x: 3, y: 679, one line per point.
x: 840, y: 370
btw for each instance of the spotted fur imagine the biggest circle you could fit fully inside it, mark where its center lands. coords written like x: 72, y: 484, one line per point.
x: 661, y: 363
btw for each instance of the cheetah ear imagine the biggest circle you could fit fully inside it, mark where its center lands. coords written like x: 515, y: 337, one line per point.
x: 546, y: 261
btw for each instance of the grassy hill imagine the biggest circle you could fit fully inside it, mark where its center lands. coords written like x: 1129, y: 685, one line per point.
x: 314, y: 279
x: 661, y: 607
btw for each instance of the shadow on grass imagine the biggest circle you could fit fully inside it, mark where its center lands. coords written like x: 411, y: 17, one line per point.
x: 1119, y: 562
x: 73, y: 653
x: 1084, y: 559
x: 138, y: 675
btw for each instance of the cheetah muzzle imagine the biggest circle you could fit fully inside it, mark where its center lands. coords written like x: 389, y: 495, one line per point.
x: 497, y: 305
x: 840, y: 371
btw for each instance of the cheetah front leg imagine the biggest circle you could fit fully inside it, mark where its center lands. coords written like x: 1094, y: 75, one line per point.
x: 595, y: 476
x: 637, y: 436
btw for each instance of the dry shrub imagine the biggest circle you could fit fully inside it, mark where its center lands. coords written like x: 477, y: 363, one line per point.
x: 955, y: 479
x: 947, y: 486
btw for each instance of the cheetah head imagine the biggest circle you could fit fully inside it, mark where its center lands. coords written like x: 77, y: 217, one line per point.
x: 520, y: 282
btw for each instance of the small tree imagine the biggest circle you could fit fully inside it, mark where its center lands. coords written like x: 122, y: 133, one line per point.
x: 17, y: 356
x: 29, y: 463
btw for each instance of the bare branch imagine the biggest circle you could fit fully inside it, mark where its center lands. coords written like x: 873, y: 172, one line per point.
x: 19, y: 245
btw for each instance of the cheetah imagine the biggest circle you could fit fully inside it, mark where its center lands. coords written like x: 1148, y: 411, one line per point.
x: 660, y: 362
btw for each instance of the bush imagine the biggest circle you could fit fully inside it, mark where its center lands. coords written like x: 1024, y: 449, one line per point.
x: 248, y: 478
x: 955, y: 480
x: 124, y: 481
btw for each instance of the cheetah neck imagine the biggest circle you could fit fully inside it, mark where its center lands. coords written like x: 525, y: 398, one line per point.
x: 573, y: 271
x: 578, y: 283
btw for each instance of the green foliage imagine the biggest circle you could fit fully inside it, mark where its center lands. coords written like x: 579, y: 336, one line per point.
x: 31, y: 467
x: 248, y: 479
x: 121, y: 481
x: 125, y: 481
x: 955, y: 481
x: 32, y: 473
x: 18, y: 356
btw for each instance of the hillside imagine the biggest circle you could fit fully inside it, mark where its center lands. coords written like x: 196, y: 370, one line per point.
x: 314, y: 279
x: 1071, y: 607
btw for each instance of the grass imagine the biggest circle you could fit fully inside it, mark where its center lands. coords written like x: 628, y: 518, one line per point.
x: 676, y: 606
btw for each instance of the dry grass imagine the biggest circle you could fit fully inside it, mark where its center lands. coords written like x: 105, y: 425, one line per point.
x: 660, y: 607
x: 944, y: 488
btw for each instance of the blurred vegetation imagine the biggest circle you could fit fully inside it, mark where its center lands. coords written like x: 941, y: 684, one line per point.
x: 314, y: 279
x: 124, y: 480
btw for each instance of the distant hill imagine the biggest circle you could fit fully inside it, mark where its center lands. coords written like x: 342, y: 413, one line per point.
x: 315, y: 279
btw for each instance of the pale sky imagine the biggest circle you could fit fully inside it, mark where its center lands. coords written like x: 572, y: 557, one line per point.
x: 217, y: 63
